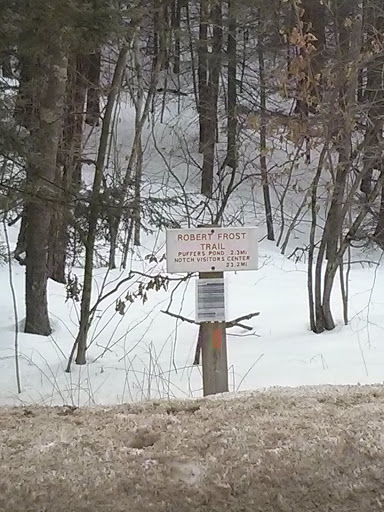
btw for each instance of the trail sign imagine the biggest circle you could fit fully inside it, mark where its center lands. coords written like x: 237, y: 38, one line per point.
x: 211, y: 249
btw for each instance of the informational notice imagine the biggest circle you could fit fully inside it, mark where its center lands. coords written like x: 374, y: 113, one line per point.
x: 210, y: 300
x: 212, y: 249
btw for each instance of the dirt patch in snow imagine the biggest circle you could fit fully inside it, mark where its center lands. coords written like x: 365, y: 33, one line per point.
x: 299, y: 450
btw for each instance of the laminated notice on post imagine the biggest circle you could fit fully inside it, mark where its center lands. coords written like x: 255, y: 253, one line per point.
x: 210, y: 300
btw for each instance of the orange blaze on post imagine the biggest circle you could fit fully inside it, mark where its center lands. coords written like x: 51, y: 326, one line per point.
x: 216, y: 337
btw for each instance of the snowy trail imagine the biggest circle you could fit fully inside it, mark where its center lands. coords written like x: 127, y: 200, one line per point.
x: 304, y: 449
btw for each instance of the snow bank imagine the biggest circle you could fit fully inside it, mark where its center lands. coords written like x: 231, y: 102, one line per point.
x: 303, y: 449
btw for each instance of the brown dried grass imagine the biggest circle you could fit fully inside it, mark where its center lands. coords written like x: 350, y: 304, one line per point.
x: 299, y: 450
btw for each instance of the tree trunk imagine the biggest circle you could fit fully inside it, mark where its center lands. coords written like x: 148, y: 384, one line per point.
x: 21, y: 245
x: 93, y: 95
x: 379, y: 230
x: 164, y: 32
x: 113, y: 232
x: 231, y: 159
x: 137, y: 208
x: 192, y: 54
x: 311, y: 250
x: 68, y: 181
x: 42, y: 193
x: 373, y: 97
x: 156, y: 29
x: 211, y: 122
x: 329, y: 278
x: 335, y: 219
x: 263, y: 130
x: 176, y: 19
x: 314, y: 22
x: 203, y: 74
x: 319, y: 312
x: 345, y: 105
x: 27, y: 99
x: 81, y: 340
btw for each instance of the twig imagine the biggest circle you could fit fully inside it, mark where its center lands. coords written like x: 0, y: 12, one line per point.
x: 196, y: 360
x: 243, y: 326
x: 131, y: 274
x: 361, y: 262
x: 236, y: 321
x: 249, y: 370
x: 294, y: 221
x: 14, y: 307
x: 70, y: 359
x: 228, y: 325
x: 180, y: 317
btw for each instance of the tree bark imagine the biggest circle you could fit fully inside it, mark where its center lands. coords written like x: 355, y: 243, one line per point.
x: 69, y: 160
x: 203, y: 74
x: 373, y: 96
x: 27, y: 99
x: 211, y: 122
x: 314, y: 313
x: 176, y: 19
x: 379, y: 230
x: 42, y: 193
x: 137, y: 201
x: 93, y: 94
x: 81, y: 340
x: 21, y: 245
x: 263, y: 130
x: 314, y: 22
x: 349, y: 39
x: 231, y: 160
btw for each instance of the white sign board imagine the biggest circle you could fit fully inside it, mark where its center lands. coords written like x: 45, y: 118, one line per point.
x: 210, y: 300
x: 212, y: 249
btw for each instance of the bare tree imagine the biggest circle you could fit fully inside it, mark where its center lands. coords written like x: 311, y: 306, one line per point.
x: 81, y: 340
x: 263, y: 128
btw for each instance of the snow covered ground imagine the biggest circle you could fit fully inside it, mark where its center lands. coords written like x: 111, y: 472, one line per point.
x: 146, y: 354
x: 303, y: 449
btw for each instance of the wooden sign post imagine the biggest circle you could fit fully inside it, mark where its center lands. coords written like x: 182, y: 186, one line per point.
x: 213, y: 339
x: 211, y: 251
